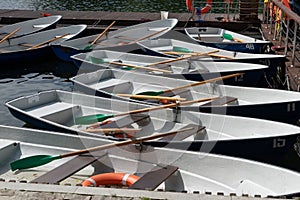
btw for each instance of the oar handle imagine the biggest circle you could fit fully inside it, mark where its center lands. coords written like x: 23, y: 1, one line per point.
x: 183, y: 58
x: 48, y: 41
x: 203, y: 82
x: 9, y: 35
x: 103, y: 32
x: 170, y: 60
x: 151, y: 97
x: 123, y: 143
x: 140, y: 67
x: 148, y: 36
x: 163, y: 106
x: 221, y: 56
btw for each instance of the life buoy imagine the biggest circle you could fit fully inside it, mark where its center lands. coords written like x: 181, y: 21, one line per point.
x: 205, y: 9
x: 111, y: 179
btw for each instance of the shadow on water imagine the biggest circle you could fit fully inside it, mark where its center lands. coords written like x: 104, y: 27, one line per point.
x: 26, y: 79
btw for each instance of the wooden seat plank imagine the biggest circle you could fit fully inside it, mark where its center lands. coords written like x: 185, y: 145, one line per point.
x: 65, y: 170
x: 125, y: 120
x: 154, y: 177
x: 182, y: 136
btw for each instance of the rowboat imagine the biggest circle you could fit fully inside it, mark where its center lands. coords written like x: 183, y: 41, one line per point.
x: 123, y: 39
x: 67, y: 112
x: 228, y: 40
x: 36, y: 46
x: 29, y: 26
x: 183, y: 69
x: 152, y: 168
x: 57, y: 111
x: 176, y: 48
x: 264, y: 103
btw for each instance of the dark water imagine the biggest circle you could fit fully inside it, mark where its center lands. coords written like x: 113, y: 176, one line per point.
x: 97, y: 5
x: 111, y: 5
x: 26, y: 79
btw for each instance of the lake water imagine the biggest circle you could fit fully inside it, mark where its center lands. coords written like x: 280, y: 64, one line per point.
x: 28, y: 79
x: 97, y: 5
x: 112, y: 5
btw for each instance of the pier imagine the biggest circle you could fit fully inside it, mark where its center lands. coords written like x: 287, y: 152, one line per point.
x: 285, y: 41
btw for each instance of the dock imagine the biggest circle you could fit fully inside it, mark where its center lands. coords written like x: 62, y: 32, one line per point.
x: 98, y: 21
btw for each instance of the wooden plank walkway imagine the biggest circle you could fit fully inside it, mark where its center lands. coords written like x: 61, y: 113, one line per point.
x: 123, y: 18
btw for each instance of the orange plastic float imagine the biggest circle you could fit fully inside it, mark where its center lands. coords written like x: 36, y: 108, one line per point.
x: 111, y: 179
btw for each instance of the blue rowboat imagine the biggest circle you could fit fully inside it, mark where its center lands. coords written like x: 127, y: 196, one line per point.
x: 227, y: 40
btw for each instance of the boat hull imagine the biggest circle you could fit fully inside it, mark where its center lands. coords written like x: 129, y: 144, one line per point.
x: 280, y: 151
x: 240, y: 47
x: 32, y: 56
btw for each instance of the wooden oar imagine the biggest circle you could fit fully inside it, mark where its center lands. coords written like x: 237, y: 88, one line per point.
x: 195, y: 53
x: 100, y: 60
x: 48, y: 41
x: 39, y: 160
x: 230, y: 37
x: 151, y: 97
x: 88, y: 47
x: 9, y: 35
x: 155, y: 93
x: 89, y: 119
x: 182, y: 58
x: 148, y: 36
x: 112, y: 131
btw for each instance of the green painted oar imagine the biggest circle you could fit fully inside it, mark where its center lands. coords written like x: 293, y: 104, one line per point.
x: 155, y: 93
x: 230, y: 37
x: 90, y: 119
x: 88, y: 47
x: 39, y: 160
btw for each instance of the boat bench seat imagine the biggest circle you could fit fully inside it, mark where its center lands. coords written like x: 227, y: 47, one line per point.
x: 58, y: 112
x: 113, y: 85
x: 49, y: 109
x: 220, y: 101
x: 65, y: 170
x: 179, y: 137
x: 126, y: 120
x: 208, y: 36
x: 152, y: 179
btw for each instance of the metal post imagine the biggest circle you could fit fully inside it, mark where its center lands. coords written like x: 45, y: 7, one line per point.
x: 271, y: 20
x: 286, y: 41
x: 281, y: 29
x: 294, y: 44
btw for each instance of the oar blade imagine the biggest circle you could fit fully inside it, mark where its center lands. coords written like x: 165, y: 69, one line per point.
x: 227, y: 36
x: 90, y: 119
x: 151, y: 93
x: 97, y: 60
x: 182, y: 49
x: 32, y: 161
x: 88, y: 47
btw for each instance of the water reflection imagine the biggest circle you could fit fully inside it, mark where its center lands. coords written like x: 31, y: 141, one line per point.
x: 97, y: 5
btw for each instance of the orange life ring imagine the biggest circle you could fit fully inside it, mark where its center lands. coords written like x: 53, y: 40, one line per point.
x: 205, y: 9
x: 111, y: 179
x: 189, y: 5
